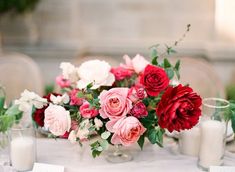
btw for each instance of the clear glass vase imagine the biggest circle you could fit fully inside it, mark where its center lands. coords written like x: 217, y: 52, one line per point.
x: 118, y: 155
x: 213, y: 128
x: 4, y: 149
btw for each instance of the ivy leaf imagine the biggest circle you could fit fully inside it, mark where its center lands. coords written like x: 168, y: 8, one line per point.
x: 166, y: 63
x: 95, y: 153
x: 170, y: 73
x: 141, y: 142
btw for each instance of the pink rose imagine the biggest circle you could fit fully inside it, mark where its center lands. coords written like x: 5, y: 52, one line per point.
x: 63, y: 83
x: 74, y: 99
x: 114, y: 103
x: 137, y: 93
x: 138, y: 63
x: 57, y: 120
x: 139, y: 110
x: 126, y: 130
x: 121, y: 73
x: 87, y: 111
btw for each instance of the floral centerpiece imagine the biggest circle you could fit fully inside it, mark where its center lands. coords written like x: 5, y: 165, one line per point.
x: 123, y: 104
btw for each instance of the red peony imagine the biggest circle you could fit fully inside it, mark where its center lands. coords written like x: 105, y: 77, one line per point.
x: 38, y: 115
x: 139, y: 110
x: 179, y: 108
x: 154, y: 80
x: 121, y: 73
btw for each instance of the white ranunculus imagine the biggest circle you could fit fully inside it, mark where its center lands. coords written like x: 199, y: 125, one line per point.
x: 98, y: 123
x: 29, y: 99
x: 58, y: 100
x: 96, y: 72
x: 69, y: 72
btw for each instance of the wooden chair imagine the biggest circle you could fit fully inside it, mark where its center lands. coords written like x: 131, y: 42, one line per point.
x: 17, y: 73
x: 201, y: 76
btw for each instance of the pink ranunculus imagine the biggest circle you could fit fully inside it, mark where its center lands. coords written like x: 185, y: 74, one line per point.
x: 139, y: 110
x: 126, y: 131
x: 63, y: 83
x: 87, y: 111
x: 114, y: 103
x: 136, y: 93
x: 121, y: 73
x: 74, y: 99
x: 138, y: 63
x: 57, y: 120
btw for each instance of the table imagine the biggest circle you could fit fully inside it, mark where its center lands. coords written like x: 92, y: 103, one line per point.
x: 151, y: 159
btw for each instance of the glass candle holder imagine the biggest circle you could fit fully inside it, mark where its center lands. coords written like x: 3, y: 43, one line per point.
x: 213, y: 129
x: 22, y: 147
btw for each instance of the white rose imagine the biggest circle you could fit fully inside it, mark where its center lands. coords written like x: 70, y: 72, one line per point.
x: 69, y: 72
x: 96, y: 72
x: 57, y: 119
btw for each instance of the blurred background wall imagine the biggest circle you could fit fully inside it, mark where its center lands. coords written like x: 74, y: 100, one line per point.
x: 59, y: 30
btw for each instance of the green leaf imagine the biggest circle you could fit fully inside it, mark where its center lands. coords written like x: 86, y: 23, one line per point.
x: 154, y: 61
x: 177, y: 74
x: 2, y: 101
x: 14, y: 111
x: 170, y: 73
x: 166, y: 63
x: 95, y: 153
x: 177, y: 65
x: 89, y: 86
x: 105, y: 135
x: 233, y: 120
x: 141, y: 142
x: 155, y: 136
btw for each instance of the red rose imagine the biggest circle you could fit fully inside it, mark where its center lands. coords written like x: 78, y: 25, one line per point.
x: 38, y: 115
x: 121, y: 73
x: 179, y: 108
x: 154, y: 80
x: 139, y: 110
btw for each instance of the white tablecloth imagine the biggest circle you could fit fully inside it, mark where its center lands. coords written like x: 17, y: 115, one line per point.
x: 151, y: 159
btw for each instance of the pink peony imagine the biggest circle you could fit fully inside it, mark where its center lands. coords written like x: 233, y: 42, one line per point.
x: 114, y: 103
x: 138, y: 63
x: 126, y: 130
x: 63, y: 83
x: 121, y: 73
x: 87, y: 111
x: 57, y: 120
x: 139, y: 110
x: 74, y: 99
x: 137, y: 93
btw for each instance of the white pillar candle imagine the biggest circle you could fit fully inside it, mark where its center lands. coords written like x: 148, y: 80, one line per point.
x: 190, y: 141
x: 23, y: 153
x: 212, y: 143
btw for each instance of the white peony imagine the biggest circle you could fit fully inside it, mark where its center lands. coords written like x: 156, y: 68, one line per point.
x: 96, y: 72
x: 69, y: 72
x: 28, y: 100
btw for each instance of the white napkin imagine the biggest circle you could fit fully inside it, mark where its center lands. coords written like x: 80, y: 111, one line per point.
x: 41, y: 167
